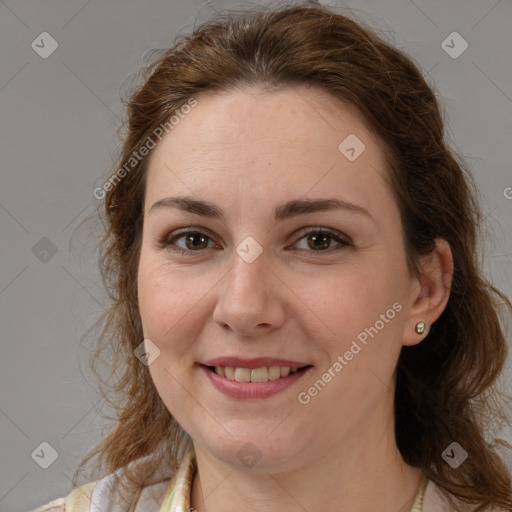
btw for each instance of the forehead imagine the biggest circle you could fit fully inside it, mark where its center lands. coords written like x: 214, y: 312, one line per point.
x: 285, y: 117
x: 283, y: 142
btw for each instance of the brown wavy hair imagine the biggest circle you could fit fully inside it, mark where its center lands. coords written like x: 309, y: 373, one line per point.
x: 446, y: 386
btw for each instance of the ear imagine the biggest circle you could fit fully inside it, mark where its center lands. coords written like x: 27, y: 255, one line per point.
x: 430, y: 292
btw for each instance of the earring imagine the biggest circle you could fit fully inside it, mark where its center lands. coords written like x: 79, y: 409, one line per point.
x: 420, y: 327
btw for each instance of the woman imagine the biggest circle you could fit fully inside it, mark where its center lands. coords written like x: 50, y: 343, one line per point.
x: 299, y: 319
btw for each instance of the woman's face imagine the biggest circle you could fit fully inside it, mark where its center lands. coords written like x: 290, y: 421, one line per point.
x: 324, y: 287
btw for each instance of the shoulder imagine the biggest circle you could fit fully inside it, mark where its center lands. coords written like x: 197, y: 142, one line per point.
x: 434, y: 500
x: 78, y: 499
x: 58, y: 505
x: 104, y: 495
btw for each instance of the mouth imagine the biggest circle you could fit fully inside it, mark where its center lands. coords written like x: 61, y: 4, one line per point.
x: 255, y: 375
x: 254, y: 383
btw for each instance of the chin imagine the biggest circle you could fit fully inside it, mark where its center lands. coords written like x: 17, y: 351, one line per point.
x: 255, y: 453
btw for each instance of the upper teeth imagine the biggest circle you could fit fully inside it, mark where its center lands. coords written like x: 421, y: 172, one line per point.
x: 256, y: 374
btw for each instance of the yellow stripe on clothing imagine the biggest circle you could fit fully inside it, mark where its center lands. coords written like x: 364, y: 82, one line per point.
x: 177, y: 497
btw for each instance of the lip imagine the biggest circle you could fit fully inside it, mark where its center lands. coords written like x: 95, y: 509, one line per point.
x: 247, y: 390
x: 258, y: 362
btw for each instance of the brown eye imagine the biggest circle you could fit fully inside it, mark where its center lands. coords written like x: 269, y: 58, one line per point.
x: 320, y: 240
x: 193, y: 241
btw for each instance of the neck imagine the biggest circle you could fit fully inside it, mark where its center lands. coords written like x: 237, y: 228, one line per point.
x: 362, y: 472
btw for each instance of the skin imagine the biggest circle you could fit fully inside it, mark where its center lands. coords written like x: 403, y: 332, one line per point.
x: 249, y: 151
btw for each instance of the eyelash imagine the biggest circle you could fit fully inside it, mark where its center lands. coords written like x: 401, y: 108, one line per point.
x: 167, y: 242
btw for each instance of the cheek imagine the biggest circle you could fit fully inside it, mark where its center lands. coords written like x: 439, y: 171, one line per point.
x: 166, y: 305
x: 352, y: 299
x: 165, y: 300
x: 360, y: 339
x: 361, y: 318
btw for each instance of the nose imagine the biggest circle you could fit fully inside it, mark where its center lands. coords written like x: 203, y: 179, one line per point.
x: 251, y: 300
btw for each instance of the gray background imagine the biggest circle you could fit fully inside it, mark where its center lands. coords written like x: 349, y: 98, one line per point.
x: 57, y: 136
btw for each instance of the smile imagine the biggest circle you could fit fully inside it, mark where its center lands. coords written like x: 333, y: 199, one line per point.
x: 238, y: 383
x: 262, y: 374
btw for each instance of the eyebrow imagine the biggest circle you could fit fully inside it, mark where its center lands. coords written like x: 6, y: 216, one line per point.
x: 287, y: 210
